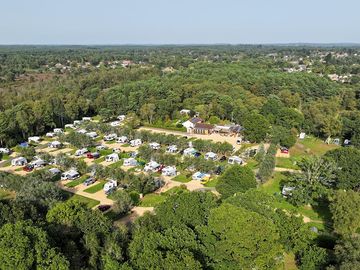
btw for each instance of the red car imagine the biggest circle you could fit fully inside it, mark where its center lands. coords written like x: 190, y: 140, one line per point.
x: 284, y: 150
x: 161, y: 167
x: 28, y: 168
x: 93, y: 155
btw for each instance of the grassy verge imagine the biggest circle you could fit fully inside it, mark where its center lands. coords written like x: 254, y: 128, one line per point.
x: 89, y: 202
x: 76, y: 182
x: 151, y: 200
x: 288, y: 163
x: 6, y: 195
x: 99, y: 160
x: 212, y: 183
x: 181, y: 178
x: 95, y: 188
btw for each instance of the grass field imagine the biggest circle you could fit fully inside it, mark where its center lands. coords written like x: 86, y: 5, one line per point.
x: 153, y: 199
x: 89, y: 202
x: 76, y: 182
x: 212, y: 183
x: 99, y: 160
x: 320, y: 216
x: 288, y: 163
x: 181, y: 178
x: 95, y: 188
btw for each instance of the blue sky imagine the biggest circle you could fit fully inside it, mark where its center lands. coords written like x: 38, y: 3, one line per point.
x: 178, y: 22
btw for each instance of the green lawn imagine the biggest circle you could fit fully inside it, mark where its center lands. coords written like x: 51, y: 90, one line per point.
x: 99, y: 160
x: 76, y: 182
x: 151, y: 200
x: 5, y: 157
x: 320, y: 215
x: 288, y: 163
x: 95, y: 188
x: 181, y: 178
x: 252, y: 164
x: 116, y: 164
x: 212, y: 183
x: 310, y: 146
x: 89, y: 202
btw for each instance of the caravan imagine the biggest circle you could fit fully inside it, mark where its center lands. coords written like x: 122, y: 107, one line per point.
x: 211, y: 156
x: 169, y: 171
x: 70, y: 175
x: 130, y: 162
x: 19, y: 161
x: 235, y: 160
x: 110, y: 186
x: 81, y: 152
x: 136, y: 142
x: 122, y: 139
x: 110, y: 137
x: 112, y: 158
x: 154, y: 145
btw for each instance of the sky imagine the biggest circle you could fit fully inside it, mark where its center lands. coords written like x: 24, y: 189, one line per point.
x: 179, y: 21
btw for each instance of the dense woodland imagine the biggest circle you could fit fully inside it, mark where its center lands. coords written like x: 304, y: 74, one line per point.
x: 243, y: 228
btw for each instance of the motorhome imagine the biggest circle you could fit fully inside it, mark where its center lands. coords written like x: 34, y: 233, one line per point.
x: 135, y: 142
x: 235, y: 160
x: 81, y: 152
x: 19, y: 161
x: 169, y: 171
x: 122, y: 139
x: 154, y: 145
x: 130, y: 162
x: 70, y: 175
x: 110, y: 137
x: 211, y: 156
x: 114, y: 157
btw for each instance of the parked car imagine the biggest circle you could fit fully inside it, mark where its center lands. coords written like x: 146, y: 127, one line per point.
x: 28, y: 168
x: 223, y: 158
x: 94, y: 155
x: 89, y: 181
x: 284, y: 150
x: 104, y: 207
x: 219, y: 170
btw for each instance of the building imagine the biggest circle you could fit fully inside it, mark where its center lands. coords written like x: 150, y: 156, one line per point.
x: 202, y: 128
x: 190, y: 124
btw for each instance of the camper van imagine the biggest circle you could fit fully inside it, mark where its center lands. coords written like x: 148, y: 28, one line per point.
x: 110, y: 186
x: 110, y: 137
x: 81, y: 152
x: 130, y: 162
x: 135, y: 142
x: 70, y: 175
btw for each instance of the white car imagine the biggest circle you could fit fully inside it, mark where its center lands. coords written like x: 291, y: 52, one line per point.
x: 5, y: 151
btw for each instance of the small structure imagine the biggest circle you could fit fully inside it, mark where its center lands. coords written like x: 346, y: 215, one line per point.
x: 69, y: 126
x: 185, y: 112
x: 211, y: 156
x: 115, y: 123
x: 5, y: 151
x: 77, y: 122
x: 135, y: 142
x: 169, y: 171
x: 50, y: 134
x: 92, y: 134
x: 54, y: 171
x: 154, y: 145
x: 190, y: 151
x: 235, y: 160
x: 81, y: 152
x: 130, y: 162
x: 202, y: 128
x: 55, y: 144
x: 287, y: 191
x: 70, y: 175
x: 110, y: 186
x: 38, y: 163
x: 86, y: 119
x: 19, y: 161
x: 58, y: 130
x: 302, y: 135
x: 110, y: 137
x: 336, y: 141
x: 34, y: 139
x: 152, y: 166
x: 114, y: 157
x: 190, y: 124
x: 121, y: 117
x: 172, y: 149
x: 101, y: 147
x: 122, y: 139
x: 82, y: 131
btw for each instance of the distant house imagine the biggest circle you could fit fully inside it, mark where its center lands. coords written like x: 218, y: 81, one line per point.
x: 190, y: 124
x: 202, y: 128
x: 114, y: 157
x: 19, y: 161
x: 126, y: 63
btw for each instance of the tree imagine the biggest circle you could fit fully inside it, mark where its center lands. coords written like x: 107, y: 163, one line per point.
x: 123, y: 202
x: 235, y: 179
x: 25, y: 246
x: 345, y: 209
x: 313, y: 257
x: 256, y: 127
x: 268, y: 164
x: 347, y: 252
x: 147, y: 112
x: 348, y: 160
x: 235, y: 236
x: 186, y: 208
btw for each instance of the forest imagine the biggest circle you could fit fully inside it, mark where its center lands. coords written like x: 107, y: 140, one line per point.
x: 245, y: 226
